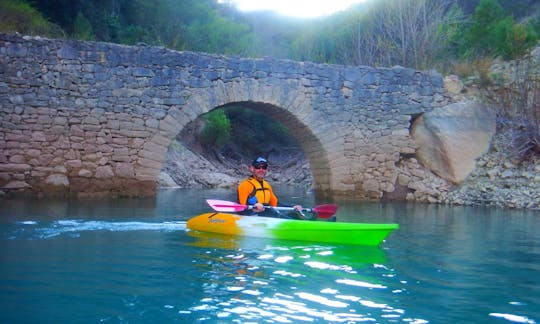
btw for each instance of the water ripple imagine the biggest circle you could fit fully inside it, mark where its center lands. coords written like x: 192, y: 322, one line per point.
x: 360, y: 284
x: 513, y: 318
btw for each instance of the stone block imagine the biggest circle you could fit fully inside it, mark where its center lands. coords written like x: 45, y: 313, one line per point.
x: 124, y: 170
x: 59, y: 180
x: 84, y: 173
x: 104, y: 172
x: 17, y: 184
x: 15, y: 167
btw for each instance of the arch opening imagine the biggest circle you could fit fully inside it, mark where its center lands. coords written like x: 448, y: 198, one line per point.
x: 296, y: 154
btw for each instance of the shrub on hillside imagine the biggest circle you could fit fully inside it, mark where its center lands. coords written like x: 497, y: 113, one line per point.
x: 19, y: 16
x: 491, y: 32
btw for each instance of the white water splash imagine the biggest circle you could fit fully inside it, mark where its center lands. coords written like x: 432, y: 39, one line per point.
x: 75, y: 227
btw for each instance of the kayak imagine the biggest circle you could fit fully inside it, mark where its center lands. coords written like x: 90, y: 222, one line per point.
x: 291, y: 229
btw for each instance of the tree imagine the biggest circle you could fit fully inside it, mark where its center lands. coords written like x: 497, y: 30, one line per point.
x: 512, y: 40
x: 219, y: 35
x: 82, y: 28
x: 492, y: 33
x: 411, y: 33
x: 315, y: 42
x: 480, y: 37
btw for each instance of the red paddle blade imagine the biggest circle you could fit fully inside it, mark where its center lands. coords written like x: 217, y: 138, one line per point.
x: 225, y: 206
x: 325, y: 211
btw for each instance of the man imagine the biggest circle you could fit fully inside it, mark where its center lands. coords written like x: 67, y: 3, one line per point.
x: 257, y: 192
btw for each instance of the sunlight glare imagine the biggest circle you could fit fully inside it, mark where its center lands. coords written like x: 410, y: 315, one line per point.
x: 296, y: 8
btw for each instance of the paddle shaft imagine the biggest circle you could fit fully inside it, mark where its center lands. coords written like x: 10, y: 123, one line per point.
x: 239, y: 207
x: 309, y: 210
x: 324, y: 211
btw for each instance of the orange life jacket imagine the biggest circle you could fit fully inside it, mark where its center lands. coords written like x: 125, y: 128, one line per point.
x: 252, y: 188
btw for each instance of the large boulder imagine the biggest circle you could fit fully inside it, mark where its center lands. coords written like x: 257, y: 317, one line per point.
x: 451, y: 138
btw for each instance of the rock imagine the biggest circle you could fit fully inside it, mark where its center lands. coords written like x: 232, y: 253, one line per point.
x: 124, y: 170
x: 188, y: 167
x: 85, y: 173
x: 451, y: 138
x: 59, y: 180
x: 16, y: 185
x: 453, y: 84
x: 104, y: 172
x: 221, y: 180
x: 165, y: 181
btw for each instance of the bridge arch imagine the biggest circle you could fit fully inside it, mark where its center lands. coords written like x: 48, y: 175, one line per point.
x: 309, y: 142
x: 86, y: 117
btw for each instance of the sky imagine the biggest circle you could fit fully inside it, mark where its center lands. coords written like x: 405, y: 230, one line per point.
x: 297, y: 8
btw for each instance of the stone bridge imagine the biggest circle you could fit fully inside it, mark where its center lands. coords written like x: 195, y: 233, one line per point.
x: 97, y: 118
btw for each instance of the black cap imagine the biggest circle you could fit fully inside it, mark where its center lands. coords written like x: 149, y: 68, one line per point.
x: 258, y: 161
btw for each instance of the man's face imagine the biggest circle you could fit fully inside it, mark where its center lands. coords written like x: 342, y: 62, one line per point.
x: 259, y: 170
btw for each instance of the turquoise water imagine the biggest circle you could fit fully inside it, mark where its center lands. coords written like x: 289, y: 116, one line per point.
x: 132, y: 261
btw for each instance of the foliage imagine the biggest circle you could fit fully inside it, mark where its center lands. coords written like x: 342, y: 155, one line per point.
x: 492, y: 33
x: 82, y: 28
x: 316, y: 42
x: 243, y: 128
x: 219, y: 35
x: 19, y: 16
x: 478, y: 39
x: 217, y: 130
x: 515, y: 39
x: 410, y: 33
x: 253, y: 132
x: 193, y: 25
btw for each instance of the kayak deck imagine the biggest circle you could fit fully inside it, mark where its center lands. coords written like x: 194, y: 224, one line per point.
x: 290, y: 229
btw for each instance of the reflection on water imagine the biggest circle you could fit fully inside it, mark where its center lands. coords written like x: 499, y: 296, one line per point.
x: 360, y: 255
x: 291, y: 282
x: 132, y: 260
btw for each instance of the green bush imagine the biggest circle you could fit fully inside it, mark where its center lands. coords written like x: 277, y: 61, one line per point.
x: 511, y: 40
x: 491, y: 33
x: 479, y: 37
x: 19, y: 16
x: 217, y: 130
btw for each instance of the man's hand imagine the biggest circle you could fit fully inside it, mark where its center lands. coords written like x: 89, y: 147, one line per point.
x: 298, y: 208
x: 258, y: 207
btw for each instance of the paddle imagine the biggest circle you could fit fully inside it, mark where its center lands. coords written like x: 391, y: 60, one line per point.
x: 322, y: 211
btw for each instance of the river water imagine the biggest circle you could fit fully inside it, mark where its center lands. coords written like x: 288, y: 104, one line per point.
x: 132, y: 261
